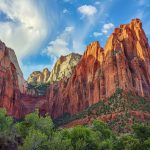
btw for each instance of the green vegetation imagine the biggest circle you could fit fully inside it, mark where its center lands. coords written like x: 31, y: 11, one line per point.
x: 39, y: 133
x: 40, y: 89
x: 119, y: 103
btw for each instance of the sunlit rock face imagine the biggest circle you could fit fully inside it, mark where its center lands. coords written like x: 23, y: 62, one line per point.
x: 123, y: 63
x: 21, y: 82
x: 38, y: 77
x: 62, y: 68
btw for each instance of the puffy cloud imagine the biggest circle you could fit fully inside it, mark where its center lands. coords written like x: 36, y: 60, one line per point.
x: 25, y: 26
x: 96, y: 34
x: 69, y: 29
x: 60, y: 45
x: 87, y: 10
x: 65, y: 11
x: 107, y: 27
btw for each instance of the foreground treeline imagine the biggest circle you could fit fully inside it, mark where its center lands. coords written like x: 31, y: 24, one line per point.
x: 38, y: 133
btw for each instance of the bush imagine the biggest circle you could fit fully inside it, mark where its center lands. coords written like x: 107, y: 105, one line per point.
x: 38, y: 133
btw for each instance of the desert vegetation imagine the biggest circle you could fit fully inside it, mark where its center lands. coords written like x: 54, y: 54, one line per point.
x: 39, y: 133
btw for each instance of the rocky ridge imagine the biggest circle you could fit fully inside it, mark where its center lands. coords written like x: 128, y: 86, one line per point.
x: 63, y: 68
x: 123, y: 63
x: 38, y: 77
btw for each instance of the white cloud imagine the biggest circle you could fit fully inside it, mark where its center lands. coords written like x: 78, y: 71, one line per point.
x: 69, y: 29
x: 87, y: 10
x: 96, y: 34
x: 107, y: 27
x: 65, y: 11
x: 83, y: 32
x: 60, y: 45
x: 97, y: 3
x: 26, y: 27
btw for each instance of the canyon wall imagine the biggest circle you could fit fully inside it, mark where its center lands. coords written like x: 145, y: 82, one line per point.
x: 123, y: 63
x: 12, y: 83
x: 78, y: 82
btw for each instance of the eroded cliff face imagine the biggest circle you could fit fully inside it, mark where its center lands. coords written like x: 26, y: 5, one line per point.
x: 127, y: 60
x: 64, y: 67
x: 123, y: 63
x: 13, y: 94
x: 10, y: 76
x: 21, y: 81
x: 38, y: 77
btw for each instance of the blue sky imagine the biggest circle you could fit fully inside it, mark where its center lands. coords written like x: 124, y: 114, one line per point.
x: 40, y: 31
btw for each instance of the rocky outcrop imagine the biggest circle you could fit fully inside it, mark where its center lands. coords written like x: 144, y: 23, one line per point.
x: 38, y: 77
x: 64, y: 67
x: 11, y: 79
x: 123, y: 63
x: 21, y: 81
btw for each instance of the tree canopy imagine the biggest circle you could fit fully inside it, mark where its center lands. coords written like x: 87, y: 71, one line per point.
x: 39, y: 133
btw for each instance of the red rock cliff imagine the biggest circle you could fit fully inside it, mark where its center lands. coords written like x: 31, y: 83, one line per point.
x: 9, y: 85
x: 123, y: 63
x: 13, y: 95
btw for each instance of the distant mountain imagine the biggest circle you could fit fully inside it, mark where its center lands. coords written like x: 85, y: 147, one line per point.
x: 63, y: 68
x: 38, y: 77
x: 38, y: 81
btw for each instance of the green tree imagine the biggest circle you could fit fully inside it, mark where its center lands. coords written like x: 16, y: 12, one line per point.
x: 106, y: 145
x: 83, y: 138
x: 34, y: 121
x: 127, y: 142
x: 61, y: 140
x: 35, y: 140
x: 141, y: 131
x: 5, y: 121
x: 102, y: 130
x: 8, y: 135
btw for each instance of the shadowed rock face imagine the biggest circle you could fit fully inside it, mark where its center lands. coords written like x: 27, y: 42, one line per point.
x: 123, y: 63
x: 11, y: 79
x: 13, y: 94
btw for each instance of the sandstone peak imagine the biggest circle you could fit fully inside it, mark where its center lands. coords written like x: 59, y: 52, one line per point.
x: 124, y: 63
x: 64, y: 67
x: 38, y: 77
x: 45, y: 70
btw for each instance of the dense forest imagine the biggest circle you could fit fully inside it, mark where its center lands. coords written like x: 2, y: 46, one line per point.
x: 39, y: 133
